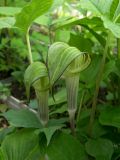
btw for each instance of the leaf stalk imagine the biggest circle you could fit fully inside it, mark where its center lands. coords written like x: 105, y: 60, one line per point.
x: 98, y: 81
x: 29, y: 48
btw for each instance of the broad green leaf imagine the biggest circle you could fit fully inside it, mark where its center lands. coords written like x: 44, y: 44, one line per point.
x: 28, y: 119
x: 32, y: 11
x: 18, y: 146
x: 7, y: 22
x: 104, y: 9
x: 84, y: 22
x: 113, y: 27
x: 65, y: 147
x: 60, y: 97
x: 4, y: 132
x: 2, y: 156
x: 34, y: 72
x: 99, y: 7
x: 110, y: 67
x: 57, y: 4
x: 82, y: 126
x: 22, y: 118
x: 101, y: 149
x: 63, y: 55
x: 110, y: 117
x: 114, y: 9
x: 49, y: 131
x: 57, y: 122
x: 59, y: 110
x: 93, y: 68
x: 117, y: 12
x: 62, y: 36
x: 69, y: 22
x: 98, y: 37
x: 35, y: 154
x: 9, y: 11
x: 83, y: 44
x: 98, y: 130
x: 42, y: 20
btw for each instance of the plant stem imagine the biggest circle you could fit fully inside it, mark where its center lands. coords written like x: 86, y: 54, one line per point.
x: 118, y: 54
x: 118, y: 47
x: 80, y: 106
x: 98, y: 80
x: 29, y: 47
x: 5, y: 2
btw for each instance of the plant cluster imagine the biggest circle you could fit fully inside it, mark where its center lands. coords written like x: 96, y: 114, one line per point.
x: 80, y: 120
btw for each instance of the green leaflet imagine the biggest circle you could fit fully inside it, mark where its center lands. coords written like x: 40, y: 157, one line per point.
x: 49, y: 131
x: 7, y: 22
x: 22, y: 118
x: 101, y: 149
x: 60, y: 55
x: 2, y: 157
x: 30, y: 12
x: 109, y: 11
x: 114, y: 9
x: 19, y: 145
x: 85, y: 22
x: 113, y: 27
x: 65, y: 147
x: 83, y: 44
x: 9, y: 11
x: 98, y: 7
x: 34, y: 71
x: 110, y: 117
x: 60, y: 97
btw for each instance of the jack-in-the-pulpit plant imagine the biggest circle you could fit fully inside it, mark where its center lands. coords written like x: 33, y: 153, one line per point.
x: 61, y: 59
x: 72, y: 76
x: 37, y: 75
x: 60, y: 56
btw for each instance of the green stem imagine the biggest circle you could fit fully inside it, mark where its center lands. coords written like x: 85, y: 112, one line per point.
x: 5, y: 3
x: 80, y: 106
x: 98, y: 81
x: 118, y: 47
x: 29, y: 47
x: 118, y: 54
